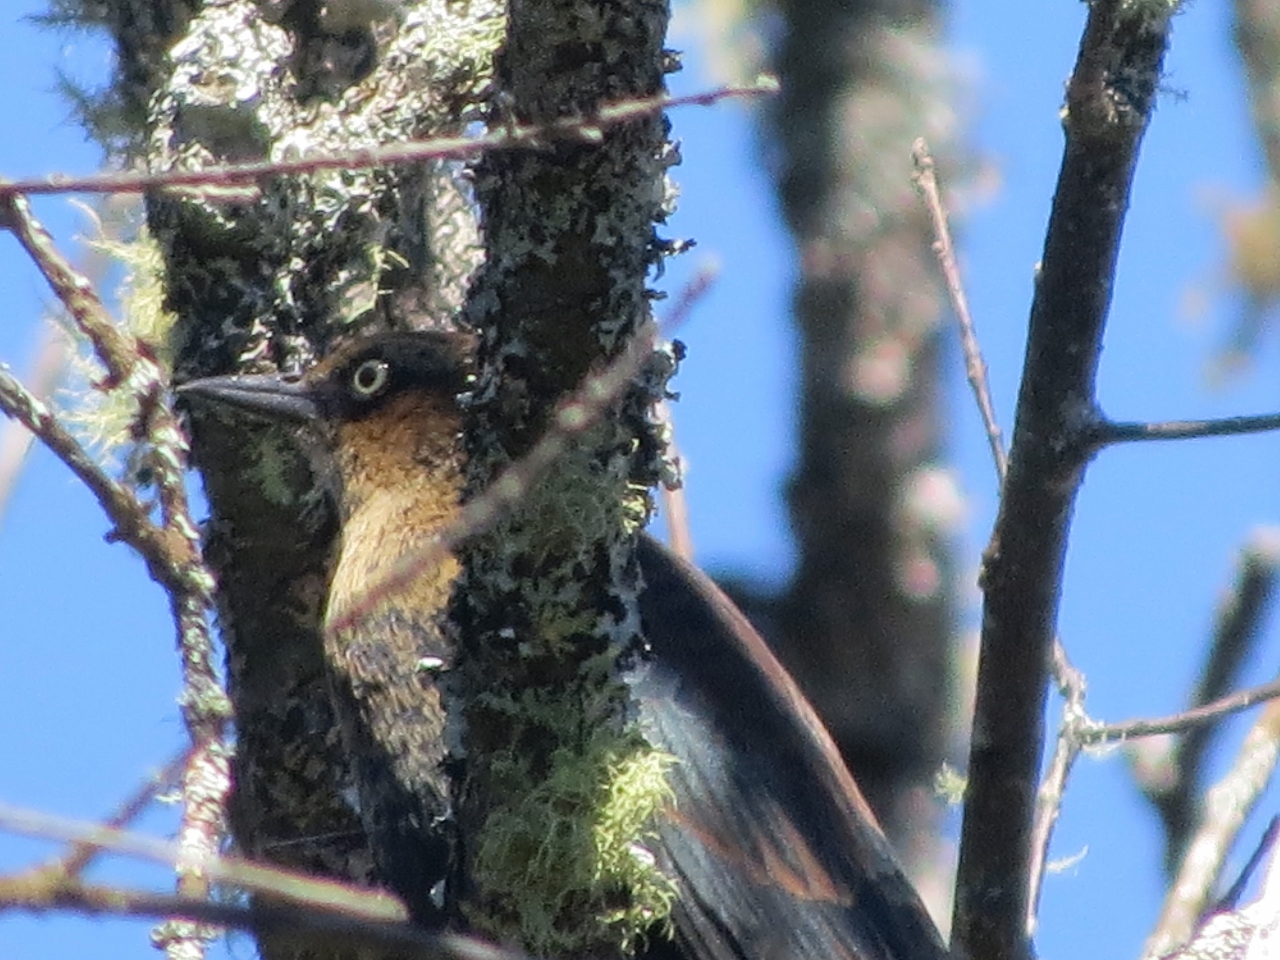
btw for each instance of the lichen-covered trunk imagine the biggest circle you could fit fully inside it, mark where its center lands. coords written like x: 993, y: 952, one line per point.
x: 269, y: 277
x: 866, y: 623
x: 549, y: 598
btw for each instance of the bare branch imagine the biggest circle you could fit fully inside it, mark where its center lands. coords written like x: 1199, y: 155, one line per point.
x: 242, y: 874
x: 120, y: 505
x: 1108, y: 432
x: 975, y: 367
x: 587, y: 129
x: 1182, y: 722
x: 1227, y: 804
x: 1109, y: 100
x: 81, y: 855
x: 1052, y: 791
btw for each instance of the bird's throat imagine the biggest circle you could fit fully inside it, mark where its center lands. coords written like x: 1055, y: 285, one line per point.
x: 392, y: 532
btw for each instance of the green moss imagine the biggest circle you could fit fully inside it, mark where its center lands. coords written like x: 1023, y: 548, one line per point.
x: 573, y: 846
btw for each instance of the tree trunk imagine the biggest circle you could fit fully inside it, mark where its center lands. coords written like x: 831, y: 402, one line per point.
x: 866, y: 624
x: 268, y: 278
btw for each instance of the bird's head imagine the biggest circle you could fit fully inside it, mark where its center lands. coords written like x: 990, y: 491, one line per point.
x: 370, y: 416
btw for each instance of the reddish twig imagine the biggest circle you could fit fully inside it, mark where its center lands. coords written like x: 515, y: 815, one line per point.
x: 588, y: 129
x: 319, y: 927
x: 975, y: 367
x: 74, y: 862
x: 227, y: 870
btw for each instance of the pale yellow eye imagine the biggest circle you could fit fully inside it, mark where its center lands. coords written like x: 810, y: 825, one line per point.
x: 369, y: 378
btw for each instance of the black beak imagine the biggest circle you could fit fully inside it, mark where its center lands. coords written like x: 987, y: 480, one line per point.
x: 266, y: 395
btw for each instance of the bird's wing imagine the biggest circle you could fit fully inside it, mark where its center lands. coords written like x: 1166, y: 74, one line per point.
x: 776, y: 854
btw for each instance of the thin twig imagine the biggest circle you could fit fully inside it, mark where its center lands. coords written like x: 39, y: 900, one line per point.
x: 120, y: 505
x: 1053, y: 787
x: 1108, y: 432
x: 74, y: 862
x: 587, y: 129
x: 205, y: 705
x: 315, y: 925
x: 975, y: 367
x: 1181, y: 722
x: 231, y: 871
x: 1227, y: 804
x: 53, y: 355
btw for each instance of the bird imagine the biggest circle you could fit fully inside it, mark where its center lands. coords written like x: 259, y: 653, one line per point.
x: 773, y: 850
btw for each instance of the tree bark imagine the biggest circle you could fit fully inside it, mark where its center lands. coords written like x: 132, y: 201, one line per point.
x: 548, y: 602
x: 269, y: 279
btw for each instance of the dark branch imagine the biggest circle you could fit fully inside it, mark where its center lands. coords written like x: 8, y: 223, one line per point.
x: 1109, y: 101
x: 1106, y: 432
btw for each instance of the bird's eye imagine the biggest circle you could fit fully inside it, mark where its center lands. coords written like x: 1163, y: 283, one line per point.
x: 369, y: 378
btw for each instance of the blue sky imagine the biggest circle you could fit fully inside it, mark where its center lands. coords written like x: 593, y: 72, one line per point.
x: 85, y: 641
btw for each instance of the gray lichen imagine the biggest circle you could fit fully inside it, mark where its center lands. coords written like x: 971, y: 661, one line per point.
x: 268, y: 277
x: 548, y: 605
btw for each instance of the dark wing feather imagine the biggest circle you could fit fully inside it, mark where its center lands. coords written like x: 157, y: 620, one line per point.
x: 775, y: 851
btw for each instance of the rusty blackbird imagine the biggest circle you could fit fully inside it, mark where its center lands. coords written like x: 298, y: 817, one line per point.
x: 773, y: 850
